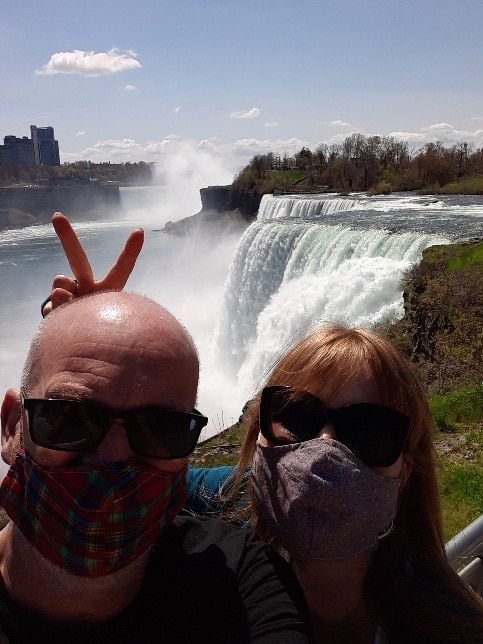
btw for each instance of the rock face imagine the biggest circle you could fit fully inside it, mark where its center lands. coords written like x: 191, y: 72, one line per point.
x: 223, y: 207
x: 77, y: 201
x: 226, y: 199
x: 441, y: 328
x: 208, y: 222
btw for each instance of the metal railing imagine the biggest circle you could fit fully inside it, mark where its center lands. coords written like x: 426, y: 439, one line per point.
x: 465, y: 554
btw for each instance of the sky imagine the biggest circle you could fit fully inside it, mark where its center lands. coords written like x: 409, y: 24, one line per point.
x: 212, y: 82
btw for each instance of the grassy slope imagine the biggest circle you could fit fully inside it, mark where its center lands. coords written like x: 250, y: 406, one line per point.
x: 459, y: 440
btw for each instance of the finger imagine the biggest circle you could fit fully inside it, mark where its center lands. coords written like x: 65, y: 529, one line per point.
x: 59, y: 296
x: 65, y: 282
x: 76, y: 255
x: 47, y: 309
x: 119, y: 273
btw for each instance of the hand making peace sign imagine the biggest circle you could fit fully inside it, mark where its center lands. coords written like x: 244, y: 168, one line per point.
x: 65, y: 288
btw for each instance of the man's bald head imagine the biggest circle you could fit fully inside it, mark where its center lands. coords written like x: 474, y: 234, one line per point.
x: 115, y: 347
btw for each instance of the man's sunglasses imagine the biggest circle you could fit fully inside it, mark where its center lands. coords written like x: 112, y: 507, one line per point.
x: 80, y: 425
x: 373, y: 433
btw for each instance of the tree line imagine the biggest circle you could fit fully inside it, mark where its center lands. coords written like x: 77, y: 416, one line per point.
x: 373, y: 164
x: 140, y: 173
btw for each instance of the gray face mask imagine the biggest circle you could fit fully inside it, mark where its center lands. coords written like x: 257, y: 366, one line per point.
x: 319, y: 501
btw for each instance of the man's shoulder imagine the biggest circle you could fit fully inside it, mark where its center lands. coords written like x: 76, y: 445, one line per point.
x: 195, y: 535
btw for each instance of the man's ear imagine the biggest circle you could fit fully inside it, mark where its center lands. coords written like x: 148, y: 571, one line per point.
x: 11, y: 430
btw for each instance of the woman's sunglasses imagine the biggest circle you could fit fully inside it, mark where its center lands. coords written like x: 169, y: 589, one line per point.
x: 373, y: 433
x: 80, y: 425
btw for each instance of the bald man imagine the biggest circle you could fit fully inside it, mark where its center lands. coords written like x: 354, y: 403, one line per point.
x: 97, y: 439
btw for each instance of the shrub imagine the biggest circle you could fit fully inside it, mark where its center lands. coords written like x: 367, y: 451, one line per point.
x: 381, y: 188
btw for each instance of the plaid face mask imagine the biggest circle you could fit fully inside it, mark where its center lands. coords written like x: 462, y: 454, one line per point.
x: 91, y: 519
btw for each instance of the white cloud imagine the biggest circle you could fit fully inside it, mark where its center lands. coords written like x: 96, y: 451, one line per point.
x: 177, y: 108
x: 89, y: 63
x: 339, y: 123
x: 438, y: 127
x: 444, y: 132
x: 233, y: 155
x: 341, y: 136
x: 252, y: 113
x: 80, y: 133
x: 408, y: 137
x: 130, y: 88
x: 272, y: 124
x: 476, y: 118
x: 249, y: 147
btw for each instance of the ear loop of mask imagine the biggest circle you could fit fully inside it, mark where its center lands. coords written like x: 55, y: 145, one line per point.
x: 387, y: 531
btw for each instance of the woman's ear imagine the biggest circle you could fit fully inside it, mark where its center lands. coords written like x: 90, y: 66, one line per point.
x: 10, y: 415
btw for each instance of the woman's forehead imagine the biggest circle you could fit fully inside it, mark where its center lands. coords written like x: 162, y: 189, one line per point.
x: 336, y: 389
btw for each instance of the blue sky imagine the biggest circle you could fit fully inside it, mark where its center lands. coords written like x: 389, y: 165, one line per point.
x: 146, y: 80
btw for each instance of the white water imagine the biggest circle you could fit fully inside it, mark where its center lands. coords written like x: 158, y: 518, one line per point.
x: 308, y: 208
x: 287, y: 276
x: 316, y: 206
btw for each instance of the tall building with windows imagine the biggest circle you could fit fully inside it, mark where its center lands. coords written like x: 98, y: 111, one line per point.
x: 41, y: 149
x: 46, y: 148
x: 17, y: 151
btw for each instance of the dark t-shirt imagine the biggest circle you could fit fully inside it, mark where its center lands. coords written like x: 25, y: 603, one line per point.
x: 205, y: 582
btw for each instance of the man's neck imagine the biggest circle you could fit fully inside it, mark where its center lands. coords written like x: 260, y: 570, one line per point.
x: 41, y: 586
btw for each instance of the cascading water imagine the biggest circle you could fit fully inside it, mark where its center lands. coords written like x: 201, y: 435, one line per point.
x: 273, y: 207
x: 291, y: 271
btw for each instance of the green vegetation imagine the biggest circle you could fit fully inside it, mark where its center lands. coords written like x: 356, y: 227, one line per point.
x: 222, y: 449
x: 123, y: 173
x: 456, y: 256
x: 461, y: 488
x: 374, y: 164
x: 456, y: 408
x: 459, y: 420
x: 465, y: 186
x: 469, y: 257
x: 441, y: 328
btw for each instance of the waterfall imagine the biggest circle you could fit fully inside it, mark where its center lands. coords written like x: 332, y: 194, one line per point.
x: 287, y: 275
x: 305, y: 208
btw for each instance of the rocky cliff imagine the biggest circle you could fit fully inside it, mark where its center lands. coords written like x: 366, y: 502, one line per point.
x: 442, y: 327
x: 222, y: 206
x: 226, y: 198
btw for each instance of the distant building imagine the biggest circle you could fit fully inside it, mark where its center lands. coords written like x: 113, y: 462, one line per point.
x: 46, y: 148
x: 41, y: 149
x: 17, y: 151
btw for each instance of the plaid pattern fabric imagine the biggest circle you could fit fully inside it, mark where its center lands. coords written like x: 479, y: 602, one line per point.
x: 91, y: 519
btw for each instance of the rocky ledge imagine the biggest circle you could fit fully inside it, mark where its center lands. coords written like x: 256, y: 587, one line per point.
x: 222, y: 206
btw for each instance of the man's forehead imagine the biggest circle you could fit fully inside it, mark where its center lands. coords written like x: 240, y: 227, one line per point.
x: 116, y: 359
